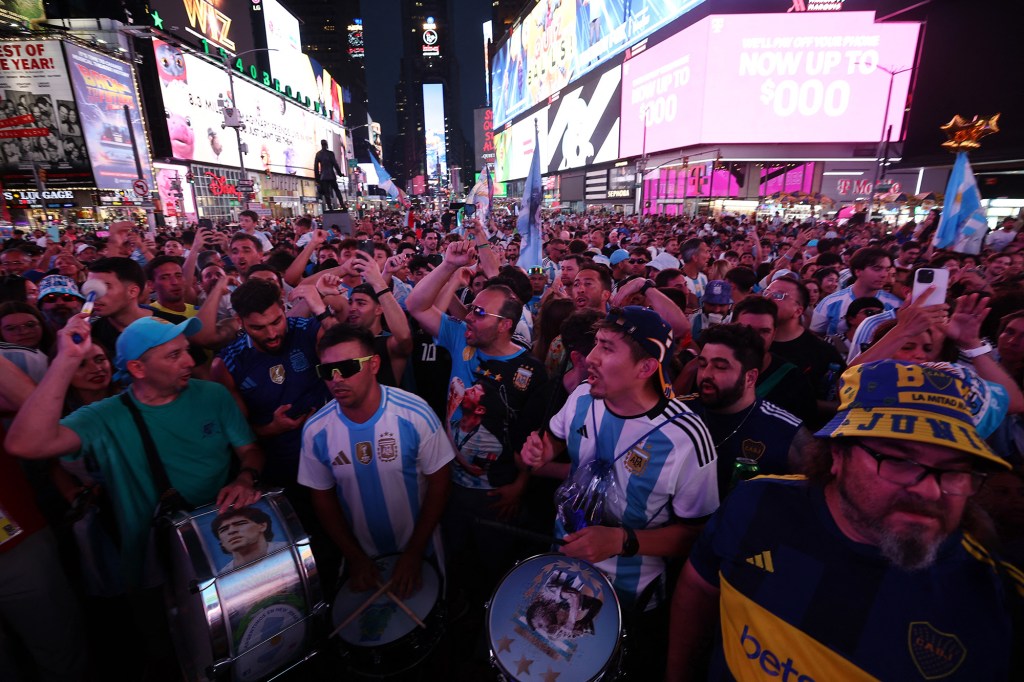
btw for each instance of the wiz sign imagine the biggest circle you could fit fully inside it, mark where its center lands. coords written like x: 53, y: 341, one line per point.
x: 210, y: 22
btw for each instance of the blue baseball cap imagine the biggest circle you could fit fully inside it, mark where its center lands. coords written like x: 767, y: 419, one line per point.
x: 618, y: 255
x: 907, y: 401
x: 58, y: 284
x: 146, y: 333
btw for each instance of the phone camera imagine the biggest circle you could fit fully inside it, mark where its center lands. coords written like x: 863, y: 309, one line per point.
x: 925, y: 276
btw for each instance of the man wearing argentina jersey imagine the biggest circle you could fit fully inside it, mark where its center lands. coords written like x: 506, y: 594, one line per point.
x: 376, y: 462
x: 871, y: 266
x: 663, y: 463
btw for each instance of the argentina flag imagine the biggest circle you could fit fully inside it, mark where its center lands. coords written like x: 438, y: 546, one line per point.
x: 962, y: 227
x: 529, y: 224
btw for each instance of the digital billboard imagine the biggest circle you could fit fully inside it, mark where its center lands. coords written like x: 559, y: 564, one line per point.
x: 103, y: 87
x: 170, y: 182
x: 434, y: 131
x: 513, y: 147
x: 483, y: 136
x: 557, y: 42
x: 281, y: 136
x: 19, y: 11
x: 805, y: 77
x: 583, y: 124
x: 223, y: 23
x: 663, y: 90
x: 34, y: 82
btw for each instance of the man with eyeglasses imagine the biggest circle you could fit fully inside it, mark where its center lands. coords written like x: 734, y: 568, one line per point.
x: 497, y: 380
x: 376, y: 462
x: 865, y: 570
x: 871, y: 266
x: 59, y: 299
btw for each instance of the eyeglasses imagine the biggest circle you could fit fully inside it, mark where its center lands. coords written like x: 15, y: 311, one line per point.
x: 775, y: 295
x: 906, y: 472
x: 53, y: 298
x: 637, y: 261
x: 480, y: 312
x: 343, y: 369
x: 28, y: 326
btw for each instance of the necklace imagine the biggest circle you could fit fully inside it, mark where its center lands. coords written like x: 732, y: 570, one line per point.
x: 738, y: 427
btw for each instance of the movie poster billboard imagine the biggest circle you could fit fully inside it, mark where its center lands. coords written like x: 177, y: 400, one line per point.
x: 34, y: 82
x: 103, y: 87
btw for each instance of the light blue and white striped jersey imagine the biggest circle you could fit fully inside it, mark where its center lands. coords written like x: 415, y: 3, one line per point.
x: 828, y: 314
x: 378, y: 468
x: 866, y: 331
x: 669, y: 472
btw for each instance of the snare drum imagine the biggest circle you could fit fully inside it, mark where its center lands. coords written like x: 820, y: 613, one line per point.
x: 243, y: 590
x: 554, y: 616
x: 383, y: 640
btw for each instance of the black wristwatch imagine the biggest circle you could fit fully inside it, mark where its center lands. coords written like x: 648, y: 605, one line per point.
x: 255, y: 475
x: 643, y: 290
x: 630, y: 546
x: 324, y: 315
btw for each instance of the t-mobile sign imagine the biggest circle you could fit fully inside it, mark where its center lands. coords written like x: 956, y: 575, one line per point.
x: 769, y: 78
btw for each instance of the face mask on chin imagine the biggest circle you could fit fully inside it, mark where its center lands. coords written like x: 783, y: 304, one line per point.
x: 716, y: 318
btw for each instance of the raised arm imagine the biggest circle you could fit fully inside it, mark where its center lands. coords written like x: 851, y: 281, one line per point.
x: 423, y: 302
x: 658, y: 302
x: 400, y: 341
x: 293, y: 275
x: 36, y: 432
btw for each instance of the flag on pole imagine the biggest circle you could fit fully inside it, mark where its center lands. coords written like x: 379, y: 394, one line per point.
x: 529, y: 223
x: 480, y: 197
x: 385, y: 182
x: 490, y: 190
x: 963, y: 226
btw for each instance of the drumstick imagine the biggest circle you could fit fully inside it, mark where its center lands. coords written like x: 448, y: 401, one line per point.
x: 365, y: 605
x: 520, y: 532
x: 409, y: 612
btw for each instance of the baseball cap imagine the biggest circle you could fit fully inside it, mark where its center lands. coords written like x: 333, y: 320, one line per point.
x: 906, y: 401
x: 82, y: 246
x: 603, y: 260
x: 58, y: 284
x: 646, y: 327
x: 718, y: 292
x: 618, y: 255
x: 813, y: 242
x: 663, y: 261
x: 146, y: 333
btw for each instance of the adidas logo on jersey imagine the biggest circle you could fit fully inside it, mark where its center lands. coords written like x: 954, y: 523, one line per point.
x: 762, y: 561
x: 340, y: 459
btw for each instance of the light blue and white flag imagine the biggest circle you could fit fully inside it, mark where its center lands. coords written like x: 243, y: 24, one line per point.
x: 963, y: 226
x: 386, y: 183
x: 529, y: 223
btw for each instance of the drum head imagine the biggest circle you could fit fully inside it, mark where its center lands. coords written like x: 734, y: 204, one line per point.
x: 383, y: 622
x: 554, y: 615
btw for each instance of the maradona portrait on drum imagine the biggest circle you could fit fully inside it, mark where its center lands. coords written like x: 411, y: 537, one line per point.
x: 244, y: 533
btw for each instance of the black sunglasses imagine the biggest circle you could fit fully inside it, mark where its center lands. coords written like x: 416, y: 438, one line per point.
x: 345, y: 368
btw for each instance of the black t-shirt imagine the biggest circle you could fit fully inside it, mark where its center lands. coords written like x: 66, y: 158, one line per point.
x: 812, y: 356
x: 791, y: 390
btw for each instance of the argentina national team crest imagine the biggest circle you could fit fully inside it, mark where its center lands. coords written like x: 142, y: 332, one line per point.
x: 637, y: 458
x: 936, y: 654
x: 364, y: 452
x: 277, y: 374
x: 522, y: 378
x: 387, y: 447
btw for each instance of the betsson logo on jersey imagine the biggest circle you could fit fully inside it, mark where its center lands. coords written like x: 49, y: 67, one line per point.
x: 769, y: 661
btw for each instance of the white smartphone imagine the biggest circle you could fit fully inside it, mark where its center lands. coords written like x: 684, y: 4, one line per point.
x: 931, y: 277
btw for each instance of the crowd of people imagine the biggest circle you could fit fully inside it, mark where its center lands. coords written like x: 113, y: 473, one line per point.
x: 416, y: 391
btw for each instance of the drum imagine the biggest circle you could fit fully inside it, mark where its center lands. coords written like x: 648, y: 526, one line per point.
x: 554, y: 617
x: 243, y: 590
x: 383, y: 640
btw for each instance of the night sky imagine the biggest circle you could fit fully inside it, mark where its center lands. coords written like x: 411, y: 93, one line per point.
x: 381, y: 23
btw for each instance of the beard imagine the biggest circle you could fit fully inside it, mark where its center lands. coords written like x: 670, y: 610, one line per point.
x: 722, y: 397
x: 911, y: 548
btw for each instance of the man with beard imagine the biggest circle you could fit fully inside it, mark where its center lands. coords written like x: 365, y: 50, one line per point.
x: 661, y: 461
x: 741, y: 424
x: 508, y: 380
x: 271, y: 371
x: 376, y: 461
x: 864, y: 572
x: 59, y: 299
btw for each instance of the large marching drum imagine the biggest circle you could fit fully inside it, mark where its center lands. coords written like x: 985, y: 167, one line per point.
x: 244, y: 591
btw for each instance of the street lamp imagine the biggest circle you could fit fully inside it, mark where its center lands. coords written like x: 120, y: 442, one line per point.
x: 886, y: 128
x: 232, y: 117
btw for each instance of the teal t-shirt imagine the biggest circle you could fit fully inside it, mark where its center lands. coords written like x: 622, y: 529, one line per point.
x: 194, y: 437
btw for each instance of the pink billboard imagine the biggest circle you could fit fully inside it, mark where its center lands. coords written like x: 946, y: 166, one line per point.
x: 663, y: 88
x: 806, y: 77
x: 772, y: 78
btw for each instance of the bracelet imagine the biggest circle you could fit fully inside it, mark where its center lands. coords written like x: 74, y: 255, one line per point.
x: 385, y: 290
x: 971, y: 353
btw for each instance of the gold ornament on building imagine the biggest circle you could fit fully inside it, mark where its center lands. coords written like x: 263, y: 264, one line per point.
x: 964, y: 135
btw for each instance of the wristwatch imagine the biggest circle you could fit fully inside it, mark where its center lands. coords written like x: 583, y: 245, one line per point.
x: 647, y: 285
x: 971, y: 353
x: 328, y: 312
x: 255, y: 475
x: 630, y: 546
